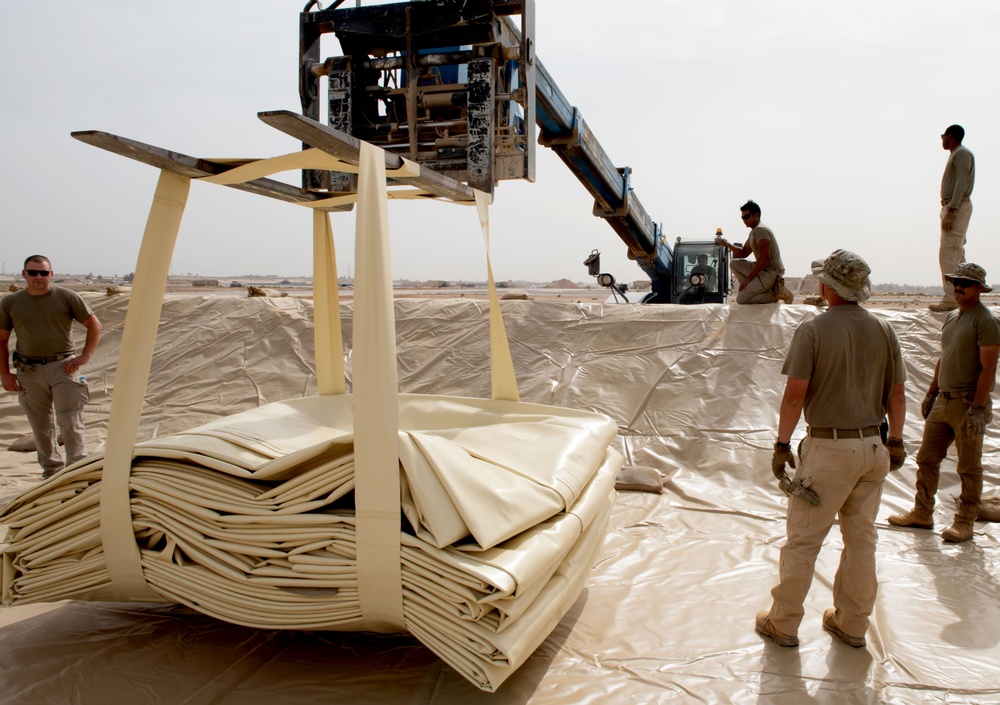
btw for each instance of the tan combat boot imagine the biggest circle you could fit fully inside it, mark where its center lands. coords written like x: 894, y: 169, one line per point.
x: 913, y: 519
x: 958, y: 532
x: 763, y: 626
x: 784, y: 295
x: 830, y: 624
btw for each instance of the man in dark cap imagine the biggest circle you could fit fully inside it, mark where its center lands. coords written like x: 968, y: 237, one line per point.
x: 845, y: 369
x: 958, y: 405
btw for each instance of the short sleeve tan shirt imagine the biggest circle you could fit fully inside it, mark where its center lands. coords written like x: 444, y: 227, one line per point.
x: 961, y: 337
x: 43, y: 324
x: 760, y: 233
x: 852, y: 361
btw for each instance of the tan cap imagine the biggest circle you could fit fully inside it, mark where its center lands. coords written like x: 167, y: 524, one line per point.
x: 972, y: 272
x: 846, y: 273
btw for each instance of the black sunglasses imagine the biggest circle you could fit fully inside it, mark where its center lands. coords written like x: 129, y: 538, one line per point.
x: 38, y: 272
x: 964, y: 283
x: 746, y: 216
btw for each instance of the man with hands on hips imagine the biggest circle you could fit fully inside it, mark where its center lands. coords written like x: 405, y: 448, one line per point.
x: 51, y: 391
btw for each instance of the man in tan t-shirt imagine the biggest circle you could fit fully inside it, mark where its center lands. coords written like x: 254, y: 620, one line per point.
x: 50, y: 389
x: 763, y: 280
x: 845, y: 369
x: 956, y: 210
x: 958, y: 406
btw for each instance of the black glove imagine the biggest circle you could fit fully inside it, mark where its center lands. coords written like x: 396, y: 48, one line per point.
x: 782, y: 454
x: 897, y: 453
x: 927, y: 404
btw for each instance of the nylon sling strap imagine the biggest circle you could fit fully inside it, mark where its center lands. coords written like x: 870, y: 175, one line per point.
x: 375, y: 375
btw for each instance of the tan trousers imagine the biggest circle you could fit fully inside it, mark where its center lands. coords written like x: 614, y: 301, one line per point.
x: 952, y: 252
x: 763, y: 289
x: 52, y: 398
x: 946, y: 423
x: 847, y: 474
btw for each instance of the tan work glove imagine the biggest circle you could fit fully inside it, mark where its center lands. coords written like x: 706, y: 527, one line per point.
x: 975, y: 420
x: 927, y: 404
x: 897, y: 453
x: 782, y: 454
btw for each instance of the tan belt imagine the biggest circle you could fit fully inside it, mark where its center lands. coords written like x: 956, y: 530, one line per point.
x: 837, y: 433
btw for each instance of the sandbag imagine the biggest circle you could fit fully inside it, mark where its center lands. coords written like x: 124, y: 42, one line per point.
x: 989, y: 509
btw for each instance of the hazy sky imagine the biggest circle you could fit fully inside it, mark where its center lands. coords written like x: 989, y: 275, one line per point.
x: 827, y: 114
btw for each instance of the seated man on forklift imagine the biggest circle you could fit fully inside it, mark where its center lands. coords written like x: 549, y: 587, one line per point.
x: 761, y: 281
x: 705, y: 269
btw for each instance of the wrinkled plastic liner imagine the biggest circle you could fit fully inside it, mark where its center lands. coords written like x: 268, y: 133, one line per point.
x: 666, y: 615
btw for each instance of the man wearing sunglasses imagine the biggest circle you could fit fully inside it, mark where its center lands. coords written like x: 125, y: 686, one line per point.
x: 761, y: 281
x: 956, y: 209
x: 958, y: 406
x: 48, y: 381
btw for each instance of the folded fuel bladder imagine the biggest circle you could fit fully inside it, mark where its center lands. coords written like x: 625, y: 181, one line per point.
x: 224, y: 537
x: 471, y: 523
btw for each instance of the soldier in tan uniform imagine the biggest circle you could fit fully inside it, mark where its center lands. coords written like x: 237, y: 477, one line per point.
x: 958, y: 406
x: 763, y: 280
x: 956, y: 209
x: 845, y: 369
x: 48, y: 381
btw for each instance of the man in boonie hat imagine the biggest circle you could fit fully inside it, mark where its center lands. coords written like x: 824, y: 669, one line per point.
x: 958, y: 405
x: 845, y: 368
x: 847, y: 273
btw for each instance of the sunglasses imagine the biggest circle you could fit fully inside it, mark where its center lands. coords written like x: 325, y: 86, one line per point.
x: 746, y: 216
x: 964, y: 283
x: 38, y: 272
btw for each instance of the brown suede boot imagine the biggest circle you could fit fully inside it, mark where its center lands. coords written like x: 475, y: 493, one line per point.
x: 763, y: 626
x: 958, y: 532
x: 914, y: 519
x: 830, y: 624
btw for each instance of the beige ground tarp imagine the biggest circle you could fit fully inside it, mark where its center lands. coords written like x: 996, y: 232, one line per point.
x: 666, y: 615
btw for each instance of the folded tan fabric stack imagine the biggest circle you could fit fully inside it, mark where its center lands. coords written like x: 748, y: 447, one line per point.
x: 470, y: 523
x: 250, y: 519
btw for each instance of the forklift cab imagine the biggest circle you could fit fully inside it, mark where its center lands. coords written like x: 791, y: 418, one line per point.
x: 701, y: 273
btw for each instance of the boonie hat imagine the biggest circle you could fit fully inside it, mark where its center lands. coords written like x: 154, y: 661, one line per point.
x: 968, y: 270
x: 846, y: 273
